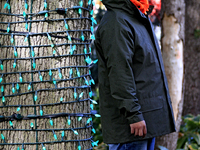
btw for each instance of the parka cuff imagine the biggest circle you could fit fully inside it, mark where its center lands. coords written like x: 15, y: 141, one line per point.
x: 135, y: 118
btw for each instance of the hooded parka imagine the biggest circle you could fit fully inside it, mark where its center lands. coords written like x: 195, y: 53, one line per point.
x: 132, y: 82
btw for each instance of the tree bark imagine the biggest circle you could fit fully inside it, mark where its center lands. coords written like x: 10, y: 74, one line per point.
x: 192, y: 57
x: 44, y: 97
x: 172, y: 49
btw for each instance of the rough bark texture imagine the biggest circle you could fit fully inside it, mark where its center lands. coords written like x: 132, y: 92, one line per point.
x: 17, y: 7
x: 192, y: 57
x: 172, y: 47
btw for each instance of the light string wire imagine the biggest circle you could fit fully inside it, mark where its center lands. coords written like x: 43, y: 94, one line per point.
x: 27, y: 18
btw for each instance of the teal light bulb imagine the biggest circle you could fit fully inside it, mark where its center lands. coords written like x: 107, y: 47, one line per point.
x: 63, y: 133
x: 26, y: 6
x: 24, y: 13
x: 52, y: 45
x: 29, y: 87
x: 93, y: 101
x: 3, y: 138
x: 90, y: 94
x: 15, y: 53
x: 97, y: 115
x: 11, y: 124
x: 46, y: 15
x: 82, y: 37
x: 8, y: 29
x: 85, y: 50
x: 1, y: 66
x: 54, y: 81
x: 1, y: 79
x: 20, y: 79
x: 66, y: 26
x: 54, y: 52
x: 5, y: 5
x: 80, y: 118
x: 60, y: 75
x: 12, y: 40
x: 26, y: 26
x: 35, y: 97
x: 34, y: 65
x: 33, y: 53
x: 79, y: 11
x: 18, y: 148
x: 3, y: 99
x: 25, y: 39
x: 93, y: 130
x: 69, y: 121
x: 81, y: 95
x: 32, y: 125
x: 79, y: 147
x: 14, y: 64
x: 43, y: 148
x: 81, y: 3
x: 45, y: 4
x: 92, y: 106
x: 40, y: 76
x: 13, y: 89
x: 41, y: 112
x: 61, y: 99
x: 78, y: 74
x: 75, y: 132
x: 51, y: 122
x: 75, y: 95
x: 18, y: 108
x: 55, y: 136
x: 17, y: 86
x: 50, y: 72
x: 2, y: 89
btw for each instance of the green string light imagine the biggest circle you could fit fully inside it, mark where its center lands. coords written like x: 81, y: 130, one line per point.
x: 20, y: 78
x: 75, y: 94
x: 8, y: 28
x: 59, y: 74
x: 31, y: 125
x: 1, y: 79
x: 51, y: 122
x: 12, y: 39
x: 3, y: 99
x: 79, y: 146
x: 35, y: 96
x: 32, y: 52
x: 80, y: 118
x: 61, y: 99
x: 17, y: 86
x: 90, y: 94
x: 13, y: 88
x: 11, y: 124
x: 29, y: 86
x: 41, y: 111
x: 15, y: 52
x: 75, y: 132
x: 18, y: 108
x: 54, y: 135
x: 2, y: 89
x: 92, y: 106
x: 68, y: 121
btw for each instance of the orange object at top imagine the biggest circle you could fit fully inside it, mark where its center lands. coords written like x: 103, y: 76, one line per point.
x: 142, y: 5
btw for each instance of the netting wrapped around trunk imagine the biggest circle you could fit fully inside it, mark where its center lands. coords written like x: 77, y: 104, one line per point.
x: 45, y: 79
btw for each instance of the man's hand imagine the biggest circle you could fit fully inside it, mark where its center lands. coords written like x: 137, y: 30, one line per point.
x: 139, y: 128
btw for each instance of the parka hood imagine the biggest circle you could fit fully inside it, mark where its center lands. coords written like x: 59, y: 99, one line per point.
x: 125, y: 5
x: 119, y: 4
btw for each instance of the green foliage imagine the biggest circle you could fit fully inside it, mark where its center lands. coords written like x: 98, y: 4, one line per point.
x: 189, y: 133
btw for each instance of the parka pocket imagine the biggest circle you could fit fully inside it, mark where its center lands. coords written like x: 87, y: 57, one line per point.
x: 151, y: 104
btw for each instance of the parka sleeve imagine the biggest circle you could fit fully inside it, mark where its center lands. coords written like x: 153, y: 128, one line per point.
x: 117, y: 44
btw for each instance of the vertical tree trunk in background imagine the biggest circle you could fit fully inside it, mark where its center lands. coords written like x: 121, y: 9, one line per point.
x: 44, y: 97
x: 172, y: 50
x: 192, y: 58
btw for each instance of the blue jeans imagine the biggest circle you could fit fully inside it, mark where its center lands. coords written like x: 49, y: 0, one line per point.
x: 147, y: 144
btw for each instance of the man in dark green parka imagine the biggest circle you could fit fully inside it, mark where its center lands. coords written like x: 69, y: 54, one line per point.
x: 134, y: 99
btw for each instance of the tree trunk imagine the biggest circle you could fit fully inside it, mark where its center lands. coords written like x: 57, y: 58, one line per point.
x: 192, y: 57
x: 47, y: 92
x: 172, y: 48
